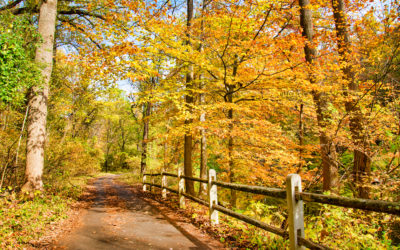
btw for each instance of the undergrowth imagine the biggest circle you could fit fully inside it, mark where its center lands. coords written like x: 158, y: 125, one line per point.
x: 24, y: 218
x: 335, y: 227
x: 129, y: 177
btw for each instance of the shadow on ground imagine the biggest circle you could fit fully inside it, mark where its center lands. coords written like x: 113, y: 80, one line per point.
x: 119, y: 219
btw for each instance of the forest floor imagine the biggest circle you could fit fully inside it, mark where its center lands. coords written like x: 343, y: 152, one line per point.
x: 121, y: 218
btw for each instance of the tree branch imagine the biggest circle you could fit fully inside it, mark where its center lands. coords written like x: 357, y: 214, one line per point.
x: 79, y: 12
x: 10, y: 5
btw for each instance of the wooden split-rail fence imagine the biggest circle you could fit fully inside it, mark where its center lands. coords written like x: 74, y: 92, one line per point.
x: 293, y: 195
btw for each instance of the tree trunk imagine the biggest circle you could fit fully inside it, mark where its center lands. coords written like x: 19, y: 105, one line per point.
x: 233, y: 199
x: 108, y: 145
x: 301, y: 137
x: 327, y: 146
x: 362, y: 161
x: 123, y: 139
x: 188, y: 168
x: 203, y: 152
x: 146, y: 117
x: 37, y: 99
x: 203, y: 139
x: 328, y: 153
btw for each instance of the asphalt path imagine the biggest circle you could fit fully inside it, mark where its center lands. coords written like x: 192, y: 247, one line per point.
x: 120, y: 219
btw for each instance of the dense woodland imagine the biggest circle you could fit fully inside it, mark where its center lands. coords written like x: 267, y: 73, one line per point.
x: 254, y: 89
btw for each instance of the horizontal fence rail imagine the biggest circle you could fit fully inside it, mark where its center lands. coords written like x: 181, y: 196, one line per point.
x: 156, y: 174
x: 195, y: 179
x: 171, y: 190
x: 293, y: 194
x: 364, y: 204
x: 203, y: 202
x: 272, y: 192
x: 311, y: 244
x: 252, y: 221
x: 153, y: 184
x: 170, y: 174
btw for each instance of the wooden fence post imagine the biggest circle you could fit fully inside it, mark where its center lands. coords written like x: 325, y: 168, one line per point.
x: 144, y: 185
x: 212, y: 196
x: 295, y: 209
x: 181, y: 189
x: 163, y: 185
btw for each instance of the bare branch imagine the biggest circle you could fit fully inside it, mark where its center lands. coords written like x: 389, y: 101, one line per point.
x: 10, y: 5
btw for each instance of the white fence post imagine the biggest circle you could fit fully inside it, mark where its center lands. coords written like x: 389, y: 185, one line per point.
x: 181, y: 189
x: 295, y: 209
x: 212, y: 196
x: 163, y: 185
x: 144, y: 185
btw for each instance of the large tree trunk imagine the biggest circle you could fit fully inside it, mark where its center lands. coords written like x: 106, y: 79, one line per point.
x: 362, y: 161
x: 327, y: 147
x: 146, y: 120
x: 188, y: 168
x: 37, y: 99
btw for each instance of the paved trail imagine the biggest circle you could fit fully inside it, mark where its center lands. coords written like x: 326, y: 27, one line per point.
x: 119, y: 219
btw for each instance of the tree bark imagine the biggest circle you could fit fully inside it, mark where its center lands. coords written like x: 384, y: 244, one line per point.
x: 38, y: 97
x: 203, y: 151
x: 362, y: 161
x: 327, y: 146
x: 203, y: 139
x: 123, y: 138
x: 233, y: 199
x: 188, y: 168
x: 146, y: 115
x: 301, y: 137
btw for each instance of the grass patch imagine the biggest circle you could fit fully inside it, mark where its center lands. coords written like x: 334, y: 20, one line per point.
x: 130, y: 178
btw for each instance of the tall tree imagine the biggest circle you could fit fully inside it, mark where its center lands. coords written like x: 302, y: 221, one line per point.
x: 38, y: 97
x: 146, y: 123
x: 362, y: 161
x: 327, y: 146
x: 203, y: 138
x: 188, y: 168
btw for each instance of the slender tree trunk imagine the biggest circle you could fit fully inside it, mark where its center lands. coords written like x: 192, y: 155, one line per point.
x: 233, y: 199
x: 229, y: 99
x: 203, y: 140
x: 327, y: 147
x: 301, y: 137
x: 188, y: 168
x: 328, y: 152
x: 146, y: 120
x: 362, y: 161
x: 37, y: 99
x: 203, y: 151
x: 108, y: 145
x: 19, y: 145
x: 121, y: 126
x: 138, y: 140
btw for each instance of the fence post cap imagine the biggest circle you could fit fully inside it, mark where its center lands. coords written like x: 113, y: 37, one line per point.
x: 212, y: 172
x: 291, y: 176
